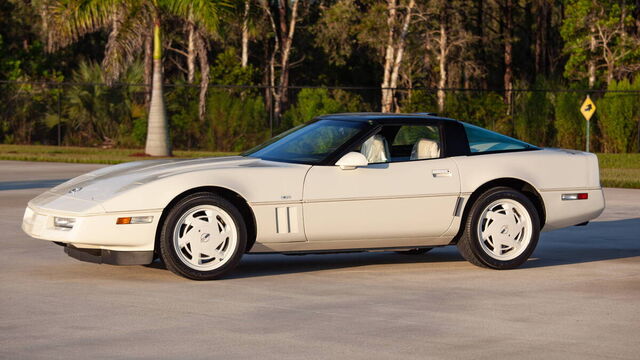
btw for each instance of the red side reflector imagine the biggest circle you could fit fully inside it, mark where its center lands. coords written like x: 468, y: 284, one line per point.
x: 583, y: 196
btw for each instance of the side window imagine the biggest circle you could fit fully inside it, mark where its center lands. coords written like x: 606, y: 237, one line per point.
x: 394, y: 143
x: 483, y: 140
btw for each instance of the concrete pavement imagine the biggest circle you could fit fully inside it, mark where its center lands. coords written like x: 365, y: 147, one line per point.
x: 577, y: 298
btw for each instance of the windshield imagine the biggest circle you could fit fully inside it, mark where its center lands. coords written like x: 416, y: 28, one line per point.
x: 308, y: 144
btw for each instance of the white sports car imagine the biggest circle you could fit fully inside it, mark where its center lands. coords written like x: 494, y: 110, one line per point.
x: 344, y: 182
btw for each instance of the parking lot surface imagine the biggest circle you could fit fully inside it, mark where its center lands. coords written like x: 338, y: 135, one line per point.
x: 578, y: 297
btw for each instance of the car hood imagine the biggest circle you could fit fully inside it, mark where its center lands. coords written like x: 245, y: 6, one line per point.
x: 102, y: 184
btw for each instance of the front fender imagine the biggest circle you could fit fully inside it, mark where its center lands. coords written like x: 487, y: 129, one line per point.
x: 254, y: 184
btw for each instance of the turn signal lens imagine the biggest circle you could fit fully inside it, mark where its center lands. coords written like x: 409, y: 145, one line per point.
x: 580, y: 196
x: 134, y: 220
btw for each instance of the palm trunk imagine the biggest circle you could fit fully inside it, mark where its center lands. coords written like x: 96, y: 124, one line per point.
x: 158, y: 128
x: 245, y: 34
x: 148, y: 67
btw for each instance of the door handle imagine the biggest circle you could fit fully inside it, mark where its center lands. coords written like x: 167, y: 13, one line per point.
x: 441, y: 173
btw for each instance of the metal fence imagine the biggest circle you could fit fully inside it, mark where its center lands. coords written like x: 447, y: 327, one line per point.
x: 240, y: 116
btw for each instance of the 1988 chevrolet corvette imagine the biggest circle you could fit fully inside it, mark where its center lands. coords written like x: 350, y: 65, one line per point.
x: 344, y: 182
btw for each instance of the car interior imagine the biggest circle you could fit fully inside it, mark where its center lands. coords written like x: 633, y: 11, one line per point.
x: 402, y: 143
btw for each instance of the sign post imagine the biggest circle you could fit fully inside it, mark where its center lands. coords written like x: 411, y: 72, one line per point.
x: 587, y: 109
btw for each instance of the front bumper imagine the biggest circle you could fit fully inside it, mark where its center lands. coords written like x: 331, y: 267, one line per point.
x: 95, y: 231
x: 112, y: 257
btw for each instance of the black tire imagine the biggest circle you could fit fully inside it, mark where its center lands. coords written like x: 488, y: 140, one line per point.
x: 417, y: 251
x: 470, y: 245
x: 168, y: 252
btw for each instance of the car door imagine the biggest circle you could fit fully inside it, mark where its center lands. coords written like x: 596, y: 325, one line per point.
x: 403, y: 197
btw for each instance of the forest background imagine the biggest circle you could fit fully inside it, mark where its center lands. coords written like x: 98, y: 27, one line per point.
x: 229, y: 74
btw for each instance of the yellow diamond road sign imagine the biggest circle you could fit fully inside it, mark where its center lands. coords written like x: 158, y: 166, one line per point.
x: 588, y: 108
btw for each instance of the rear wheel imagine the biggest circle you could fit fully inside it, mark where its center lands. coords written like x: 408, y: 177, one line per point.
x: 501, y: 230
x: 203, y: 237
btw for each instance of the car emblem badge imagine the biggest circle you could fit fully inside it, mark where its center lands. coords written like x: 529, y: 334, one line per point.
x: 204, y: 237
x: 74, y: 190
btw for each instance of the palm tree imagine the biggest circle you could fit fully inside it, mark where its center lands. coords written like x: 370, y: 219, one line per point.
x: 133, y: 26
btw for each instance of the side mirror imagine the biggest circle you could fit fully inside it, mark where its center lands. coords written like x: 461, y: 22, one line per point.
x: 352, y: 160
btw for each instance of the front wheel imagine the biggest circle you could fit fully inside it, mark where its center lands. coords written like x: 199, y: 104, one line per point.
x: 501, y: 230
x: 203, y: 237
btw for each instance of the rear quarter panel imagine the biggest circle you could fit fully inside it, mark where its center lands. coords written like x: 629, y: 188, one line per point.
x: 552, y: 172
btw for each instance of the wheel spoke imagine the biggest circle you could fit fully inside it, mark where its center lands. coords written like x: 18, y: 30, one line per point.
x: 497, y: 245
x: 196, y: 250
x: 503, y: 229
x: 491, y: 230
x: 205, y: 237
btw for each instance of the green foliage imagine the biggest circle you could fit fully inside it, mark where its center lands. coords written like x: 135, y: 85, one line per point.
x: 336, y: 29
x: 315, y: 102
x: 188, y: 132
x: 227, y: 70
x: 95, y: 113
x: 182, y: 110
x: 420, y: 101
x: 236, y: 121
x: 486, y: 109
x: 569, y: 124
x: 606, y: 21
x: 619, y: 117
x: 534, y: 114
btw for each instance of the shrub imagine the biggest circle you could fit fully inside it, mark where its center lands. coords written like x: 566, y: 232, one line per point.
x: 486, y: 109
x: 419, y: 101
x: 315, y: 102
x: 94, y: 113
x: 235, y: 121
x: 185, y: 127
x: 618, y: 114
x: 533, y: 114
x: 569, y: 124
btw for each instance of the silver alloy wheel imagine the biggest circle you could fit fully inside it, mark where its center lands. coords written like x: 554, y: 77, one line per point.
x: 205, y: 237
x: 504, y: 229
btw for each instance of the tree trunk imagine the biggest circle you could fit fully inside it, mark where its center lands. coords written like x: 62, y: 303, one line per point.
x: 387, y: 96
x: 245, y: 34
x: 610, y: 70
x: 148, y: 66
x: 191, y: 51
x: 541, y: 37
x: 591, y: 62
x: 201, y: 50
x: 480, y: 23
x: 508, y: 54
x: 442, y: 62
x: 285, y: 52
x: 158, y: 128
x: 400, y: 49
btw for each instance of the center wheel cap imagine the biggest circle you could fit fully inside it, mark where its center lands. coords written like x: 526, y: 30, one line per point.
x: 204, y: 237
